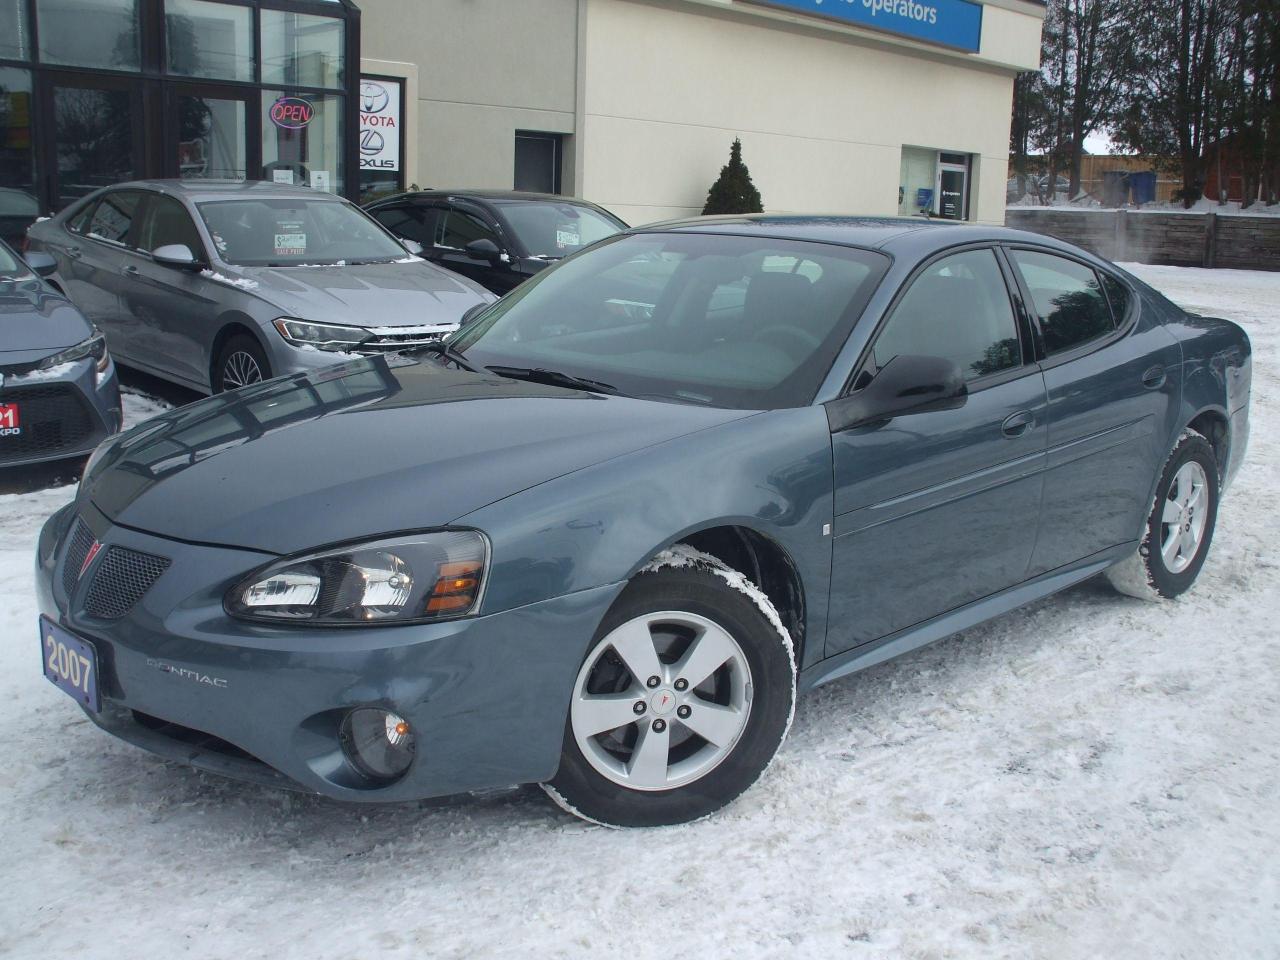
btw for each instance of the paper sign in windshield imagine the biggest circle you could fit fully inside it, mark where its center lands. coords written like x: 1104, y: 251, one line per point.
x: 291, y: 240
x: 568, y: 236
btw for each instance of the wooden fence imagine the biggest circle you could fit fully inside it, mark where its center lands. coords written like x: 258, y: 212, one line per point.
x: 1180, y: 239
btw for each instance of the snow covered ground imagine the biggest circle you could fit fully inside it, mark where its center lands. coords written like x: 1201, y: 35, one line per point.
x: 1089, y: 777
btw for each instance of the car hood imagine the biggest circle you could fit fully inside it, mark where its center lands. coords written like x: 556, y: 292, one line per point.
x: 365, y: 448
x: 35, y: 321
x: 409, y: 293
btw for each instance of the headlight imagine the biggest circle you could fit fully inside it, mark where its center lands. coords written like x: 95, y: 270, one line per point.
x: 322, y: 336
x: 95, y: 346
x: 430, y: 576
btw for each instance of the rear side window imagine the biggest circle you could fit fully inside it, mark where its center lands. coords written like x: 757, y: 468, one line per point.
x: 1068, y: 298
x: 958, y: 309
x: 412, y: 221
x: 113, y: 218
x: 1119, y: 296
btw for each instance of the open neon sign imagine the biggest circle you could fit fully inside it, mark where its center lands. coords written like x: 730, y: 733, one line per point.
x: 292, y: 113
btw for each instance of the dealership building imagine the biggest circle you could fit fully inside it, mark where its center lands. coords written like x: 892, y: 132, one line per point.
x: 851, y: 106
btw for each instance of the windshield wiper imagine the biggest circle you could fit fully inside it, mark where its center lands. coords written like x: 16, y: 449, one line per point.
x: 553, y: 377
x: 441, y: 347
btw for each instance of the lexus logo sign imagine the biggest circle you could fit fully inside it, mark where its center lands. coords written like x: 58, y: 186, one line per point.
x: 380, y: 125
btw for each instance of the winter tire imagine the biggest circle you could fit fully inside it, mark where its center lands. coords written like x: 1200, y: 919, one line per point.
x: 241, y: 362
x: 1179, y: 529
x: 681, y: 703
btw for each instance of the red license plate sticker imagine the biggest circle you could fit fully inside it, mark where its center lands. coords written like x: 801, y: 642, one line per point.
x: 10, y: 420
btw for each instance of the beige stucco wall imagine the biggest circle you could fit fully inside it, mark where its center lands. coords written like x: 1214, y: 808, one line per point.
x: 822, y: 113
x: 486, y: 68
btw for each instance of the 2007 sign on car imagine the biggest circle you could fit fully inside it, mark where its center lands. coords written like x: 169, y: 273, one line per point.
x: 70, y: 663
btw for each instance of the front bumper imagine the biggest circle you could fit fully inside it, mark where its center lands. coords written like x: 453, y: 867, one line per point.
x: 487, y: 697
x: 62, y: 417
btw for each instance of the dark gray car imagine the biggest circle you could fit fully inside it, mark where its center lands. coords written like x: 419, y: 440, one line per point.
x: 58, y: 392
x: 642, y: 503
x: 215, y: 285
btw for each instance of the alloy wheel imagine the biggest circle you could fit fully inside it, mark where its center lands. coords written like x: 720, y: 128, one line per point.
x: 240, y: 370
x: 661, y: 701
x: 1186, y: 513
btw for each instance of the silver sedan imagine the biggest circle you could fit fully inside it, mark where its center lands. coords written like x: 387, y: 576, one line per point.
x: 218, y: 284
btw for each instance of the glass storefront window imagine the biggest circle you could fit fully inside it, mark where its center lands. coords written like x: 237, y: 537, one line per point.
x: 90, y: 33
x: 302, y: 139
x: 18, y: 204
x: 211, y: 138
x: 213, y: 40
x: 302, y: 50
x: 14, y: 32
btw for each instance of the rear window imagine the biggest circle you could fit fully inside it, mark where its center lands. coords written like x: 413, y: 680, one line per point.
x: 113, y: 217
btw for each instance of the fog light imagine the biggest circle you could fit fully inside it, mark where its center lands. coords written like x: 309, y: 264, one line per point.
x: 379, y: 743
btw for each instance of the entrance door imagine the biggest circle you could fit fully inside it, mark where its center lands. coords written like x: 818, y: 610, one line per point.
x: 207, y: 132
x: 953, y: 186
x: 537, y: 162
x: 95, y: 137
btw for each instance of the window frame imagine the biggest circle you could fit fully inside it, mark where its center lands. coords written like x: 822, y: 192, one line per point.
x: 866, y: 360
x: 1122, y: 326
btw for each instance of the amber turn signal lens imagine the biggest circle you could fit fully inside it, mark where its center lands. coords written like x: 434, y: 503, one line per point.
x: 455, y: 589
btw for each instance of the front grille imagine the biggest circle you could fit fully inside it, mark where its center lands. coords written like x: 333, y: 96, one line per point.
x: 120, y: 580
x: 77, y: 550
x: 389, y: 339
x: 52, y: 417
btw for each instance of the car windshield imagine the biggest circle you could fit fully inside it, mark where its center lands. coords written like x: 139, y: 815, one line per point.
x: 741, y: 322
x: 295, y: 232
x: 10, y: 265
x: 549, y: 229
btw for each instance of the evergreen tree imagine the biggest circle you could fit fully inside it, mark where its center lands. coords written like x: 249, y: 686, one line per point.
x: 733, y: 192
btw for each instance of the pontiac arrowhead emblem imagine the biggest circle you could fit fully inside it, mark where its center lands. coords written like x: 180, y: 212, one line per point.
x: 88, y: 557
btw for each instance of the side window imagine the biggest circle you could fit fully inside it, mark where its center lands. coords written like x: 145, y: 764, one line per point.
x: 958, y: 309
x: 113, y: 218
x: 411, y: 221
x: 461, y: 228
x: 1068, y: 298
x: 79, y: 222
x: 168, y: 223
x: 1119, y: 296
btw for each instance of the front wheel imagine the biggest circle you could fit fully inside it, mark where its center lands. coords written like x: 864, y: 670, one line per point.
x: 1179, y: 528
x: 242, y: 361
x: 681, y: 703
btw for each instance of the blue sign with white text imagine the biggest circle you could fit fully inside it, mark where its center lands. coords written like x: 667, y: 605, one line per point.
x: 951, y: 23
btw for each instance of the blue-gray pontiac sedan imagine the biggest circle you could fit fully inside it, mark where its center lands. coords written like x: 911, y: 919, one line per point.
x: 603, y: 537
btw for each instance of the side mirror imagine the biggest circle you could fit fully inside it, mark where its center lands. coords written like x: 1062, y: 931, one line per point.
x: 484, y: 249
x: 413, y: 246
x: 905, y: 385
x: 177, y: 255
x: 41, y: 264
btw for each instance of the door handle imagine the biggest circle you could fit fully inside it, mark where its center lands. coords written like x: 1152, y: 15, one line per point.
x: 1154, y: 378
x: 73, y: 253
x: 1017, y: 424
x: 130, y: 271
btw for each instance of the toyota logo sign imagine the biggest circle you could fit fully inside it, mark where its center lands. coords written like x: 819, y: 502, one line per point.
x: 373, y: 97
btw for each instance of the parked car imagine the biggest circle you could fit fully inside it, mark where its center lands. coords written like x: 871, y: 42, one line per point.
x: 218, y: 284
x: 497, y: 238
x: 609, y: 531
x: 59, y: 397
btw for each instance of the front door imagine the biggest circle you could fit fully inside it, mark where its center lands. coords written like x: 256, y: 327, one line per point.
x: 95, y: 137
x: 207, y: 132
x: 935, y: 510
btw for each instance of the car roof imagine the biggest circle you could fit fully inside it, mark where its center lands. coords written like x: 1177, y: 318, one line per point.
x: 469, y: 194
x: 897, y: 235
x: 198, y: 190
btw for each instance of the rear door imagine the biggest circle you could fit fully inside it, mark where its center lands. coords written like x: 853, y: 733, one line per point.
x: 935, y: 510
x: 92, y: 265
x: 175, y: 310
x: 1112, y: 376
x: 409, y: 220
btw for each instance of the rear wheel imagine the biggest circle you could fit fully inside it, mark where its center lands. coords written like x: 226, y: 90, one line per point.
x: 680, y: 705
x: 1180, y: 527
x: 241, y: 362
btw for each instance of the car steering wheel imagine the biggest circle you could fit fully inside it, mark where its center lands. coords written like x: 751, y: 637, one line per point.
x: 793, y: 341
